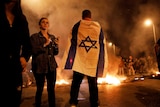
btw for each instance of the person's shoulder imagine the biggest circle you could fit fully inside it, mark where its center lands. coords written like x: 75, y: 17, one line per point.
x: 22, y: 17
x: 34, y: 34
x: 52, y: 36
x: 96, y: 23
x: 91, y: 22
x: 77, y: 23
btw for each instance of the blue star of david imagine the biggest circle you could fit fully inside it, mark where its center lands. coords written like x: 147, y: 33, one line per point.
x: 88, y: 39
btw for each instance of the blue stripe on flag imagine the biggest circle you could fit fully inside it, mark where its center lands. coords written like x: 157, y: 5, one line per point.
x: 100, y: 66
x: 72, y: 50
x: 70, y: 58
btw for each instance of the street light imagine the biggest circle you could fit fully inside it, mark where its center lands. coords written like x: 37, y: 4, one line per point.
x: 149, y: 22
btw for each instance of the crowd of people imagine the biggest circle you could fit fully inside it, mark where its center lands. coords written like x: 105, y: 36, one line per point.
x: 132, y: 66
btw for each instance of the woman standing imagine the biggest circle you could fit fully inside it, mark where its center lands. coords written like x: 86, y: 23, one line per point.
x: 44, y: 48
x: 15, y: 51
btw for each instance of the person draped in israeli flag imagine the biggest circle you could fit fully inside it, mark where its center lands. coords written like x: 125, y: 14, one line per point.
x: 86, y: 55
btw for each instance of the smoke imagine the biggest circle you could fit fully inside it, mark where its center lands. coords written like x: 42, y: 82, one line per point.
x: 127, y: 26
x: 143, y: 36
x: 121, y: 20
x: 64, y: 14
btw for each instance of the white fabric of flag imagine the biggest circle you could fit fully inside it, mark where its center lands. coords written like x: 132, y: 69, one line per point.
x: 89, y: 56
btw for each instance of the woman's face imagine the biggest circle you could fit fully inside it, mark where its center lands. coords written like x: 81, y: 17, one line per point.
x: 44, y: 24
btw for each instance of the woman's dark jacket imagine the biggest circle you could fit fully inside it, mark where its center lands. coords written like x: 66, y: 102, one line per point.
x: 15, y: 42
x: 43, y: 59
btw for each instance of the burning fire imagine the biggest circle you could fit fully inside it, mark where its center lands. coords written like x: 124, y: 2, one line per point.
x: 62, y: 81
x: 109, y: 79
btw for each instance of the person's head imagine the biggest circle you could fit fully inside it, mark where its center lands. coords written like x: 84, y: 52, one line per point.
x: 86, y: 14
x: 14, y: 5
x: 9, y: 1
x: 43, y: 23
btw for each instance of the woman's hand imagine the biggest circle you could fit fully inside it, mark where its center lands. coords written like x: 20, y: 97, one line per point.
x: 23, y: 62
x: 56, y: 40
x: 47, y: 43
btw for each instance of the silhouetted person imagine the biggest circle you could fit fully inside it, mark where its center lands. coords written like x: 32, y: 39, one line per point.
x: 157, y: 51
x: 131, y: 70
x: 15, y: 51
x: 121, y: 67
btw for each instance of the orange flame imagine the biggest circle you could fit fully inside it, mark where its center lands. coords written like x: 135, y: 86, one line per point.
x: 109, y: 79
x: 62, y: 81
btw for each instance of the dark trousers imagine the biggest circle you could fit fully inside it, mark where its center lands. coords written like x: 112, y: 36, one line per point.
x: 11, y: 89
x: 40, y: 80
x: 75, y: 86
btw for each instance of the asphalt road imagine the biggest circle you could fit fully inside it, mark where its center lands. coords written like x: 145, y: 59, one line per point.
x: 130, y: 93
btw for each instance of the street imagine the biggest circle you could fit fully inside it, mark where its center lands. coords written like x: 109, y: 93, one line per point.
x: 131, y: 93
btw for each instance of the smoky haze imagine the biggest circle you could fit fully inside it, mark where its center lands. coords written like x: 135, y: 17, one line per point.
x: 63, y: 15
x: 121, y: 20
